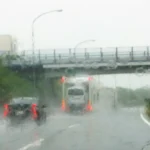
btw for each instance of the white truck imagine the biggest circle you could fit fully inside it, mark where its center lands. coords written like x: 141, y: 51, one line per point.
x: 78, y: 94
x: 77, y: 97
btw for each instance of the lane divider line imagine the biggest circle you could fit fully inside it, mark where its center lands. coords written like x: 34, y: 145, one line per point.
x: 33, y: 144
x: 74, y: 125
x: 38, y: 142
x: 144, y: 119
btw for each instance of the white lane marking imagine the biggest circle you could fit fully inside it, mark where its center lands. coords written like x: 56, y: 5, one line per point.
x: 34, y: 144
x: 145, y: 120
x: 38, y: 142
x: 74, y: 125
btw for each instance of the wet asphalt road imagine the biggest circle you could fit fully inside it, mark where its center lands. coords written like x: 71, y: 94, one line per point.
x: 103, y: 129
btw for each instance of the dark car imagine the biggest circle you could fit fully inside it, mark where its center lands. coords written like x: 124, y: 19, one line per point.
x: 20, y: 109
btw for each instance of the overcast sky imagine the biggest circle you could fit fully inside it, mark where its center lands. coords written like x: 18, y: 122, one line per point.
x: 109, y: 22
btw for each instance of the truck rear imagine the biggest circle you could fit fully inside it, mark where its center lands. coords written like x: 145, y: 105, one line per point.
x: 77, y: 98
x: 79, y: 93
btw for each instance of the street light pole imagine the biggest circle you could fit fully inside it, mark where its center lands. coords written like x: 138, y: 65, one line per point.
x: 33, y: 40
x: 115, y: 93
x: 82, y: 43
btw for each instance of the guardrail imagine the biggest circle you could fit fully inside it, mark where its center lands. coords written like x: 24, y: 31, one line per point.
x: 130, y: 54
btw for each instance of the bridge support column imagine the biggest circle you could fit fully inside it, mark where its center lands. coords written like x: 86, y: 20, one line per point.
x: 147, y: 53
x: 54, y: 56
x: 117, y: 55
x: 132, y: 54
x: 101, y: 54
x: 70, y: 53
x: 85, y: 54
x: 39, y: 57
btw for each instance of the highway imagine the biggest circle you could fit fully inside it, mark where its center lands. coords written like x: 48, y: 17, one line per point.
x: 103, y: 129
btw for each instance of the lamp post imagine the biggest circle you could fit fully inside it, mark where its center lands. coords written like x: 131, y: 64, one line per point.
x: 82, y: 43
x: 115, y: 93
x: 33, y: 40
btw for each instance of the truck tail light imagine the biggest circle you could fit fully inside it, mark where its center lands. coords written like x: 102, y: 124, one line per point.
x: 6, y: 110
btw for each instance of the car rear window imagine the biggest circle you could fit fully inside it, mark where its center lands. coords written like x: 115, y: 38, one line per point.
x: 25, y: 100
x: 75, y: 92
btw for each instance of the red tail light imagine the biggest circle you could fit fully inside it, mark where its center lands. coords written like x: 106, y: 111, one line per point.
x: 6, y: 110
x: 63, y: 105
x: 89, y: 106
x: 34, y: 111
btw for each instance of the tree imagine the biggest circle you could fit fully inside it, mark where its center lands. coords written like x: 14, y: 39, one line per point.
x: 12, y: 85
x: 132, y: 97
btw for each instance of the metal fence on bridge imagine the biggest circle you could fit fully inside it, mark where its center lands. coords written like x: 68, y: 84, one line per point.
x: 90, y: 55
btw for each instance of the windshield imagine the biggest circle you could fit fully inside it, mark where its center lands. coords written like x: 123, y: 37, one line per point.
x: 85, y: 64
x: 75, y: 92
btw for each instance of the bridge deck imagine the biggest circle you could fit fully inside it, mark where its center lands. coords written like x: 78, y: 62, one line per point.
x: 132, y: 56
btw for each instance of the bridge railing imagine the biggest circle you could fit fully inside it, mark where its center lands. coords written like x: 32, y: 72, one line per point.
x: 98, y: 55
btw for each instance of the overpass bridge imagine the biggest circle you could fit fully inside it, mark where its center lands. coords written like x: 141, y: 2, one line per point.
x: 58, y: 62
